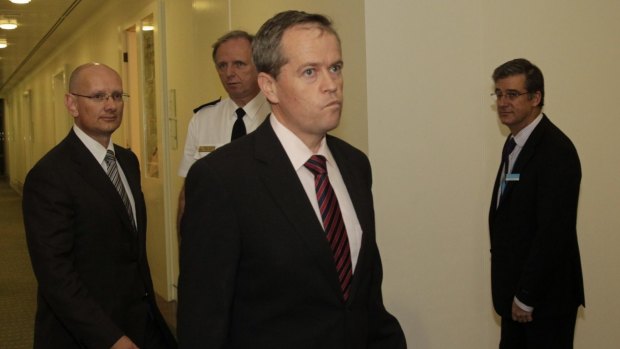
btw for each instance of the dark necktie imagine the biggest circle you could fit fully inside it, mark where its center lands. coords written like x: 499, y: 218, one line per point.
x: 332, y: 222
x: 115, y: 177
x: 509, y: 146
x: 239, y: 126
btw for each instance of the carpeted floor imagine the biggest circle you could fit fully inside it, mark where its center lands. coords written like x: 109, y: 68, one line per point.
x: 17, y: 282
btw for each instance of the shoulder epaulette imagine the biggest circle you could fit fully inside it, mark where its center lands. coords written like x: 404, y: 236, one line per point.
x: 207, y: 104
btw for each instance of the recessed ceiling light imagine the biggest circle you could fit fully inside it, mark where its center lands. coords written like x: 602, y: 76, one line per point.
x: 148, y: 28
x: 20, y: 1
x: 8, y: 24
x: 3, y: 43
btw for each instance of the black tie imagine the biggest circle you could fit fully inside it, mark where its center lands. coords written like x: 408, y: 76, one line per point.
x: 508, y: 148
x: 239, y: 126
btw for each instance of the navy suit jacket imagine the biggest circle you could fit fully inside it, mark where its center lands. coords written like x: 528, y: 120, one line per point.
x: 534, y: 249
x: 256, y: 268
x: 91, y: 265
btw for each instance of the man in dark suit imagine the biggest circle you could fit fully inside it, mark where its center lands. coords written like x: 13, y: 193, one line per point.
x: 537, y: 282
x: 265, y: 263
x: 85, y: 222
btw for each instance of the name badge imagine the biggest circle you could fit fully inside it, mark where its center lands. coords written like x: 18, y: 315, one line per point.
x: 206, y: 148
x: 512, y: 177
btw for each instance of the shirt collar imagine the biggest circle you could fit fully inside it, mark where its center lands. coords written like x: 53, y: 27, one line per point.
x: 295, y: 148
x: 251, y: 109
x: 95, y: 148
x: 521, y: 137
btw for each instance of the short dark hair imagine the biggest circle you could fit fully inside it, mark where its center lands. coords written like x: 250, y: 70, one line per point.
x: 235, y: 34
x: 267, y: 46
x: 534, y: 80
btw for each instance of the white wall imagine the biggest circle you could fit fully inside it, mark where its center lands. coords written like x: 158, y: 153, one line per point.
x: 435, y: 145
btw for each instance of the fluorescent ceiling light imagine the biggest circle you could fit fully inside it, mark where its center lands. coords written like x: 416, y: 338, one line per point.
x: 20, y: 1
x: 148, y: 28
x: 8, y: 24
x: 3, y: 43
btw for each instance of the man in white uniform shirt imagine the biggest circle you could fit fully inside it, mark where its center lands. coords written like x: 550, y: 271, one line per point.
x: 217, y: 123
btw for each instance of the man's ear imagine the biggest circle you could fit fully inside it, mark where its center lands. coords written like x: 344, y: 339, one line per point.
x: 71, y: 104
x: 536, y: 98
x: 269, y: 87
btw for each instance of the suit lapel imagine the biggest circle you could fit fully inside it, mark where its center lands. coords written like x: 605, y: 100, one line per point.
x: 362, y: 203
x: 95, y: 176
x: 282, y: 183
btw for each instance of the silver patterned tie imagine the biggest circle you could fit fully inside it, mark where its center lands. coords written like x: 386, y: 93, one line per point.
x: 115, y: 177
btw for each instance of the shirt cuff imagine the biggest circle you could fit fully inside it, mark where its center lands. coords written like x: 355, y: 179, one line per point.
x: 523, y: 306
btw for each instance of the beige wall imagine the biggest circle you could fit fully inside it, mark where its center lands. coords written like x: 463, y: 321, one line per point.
x: 435, y: 146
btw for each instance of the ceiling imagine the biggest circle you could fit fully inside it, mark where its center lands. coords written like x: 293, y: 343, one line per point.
x: 42, y: 26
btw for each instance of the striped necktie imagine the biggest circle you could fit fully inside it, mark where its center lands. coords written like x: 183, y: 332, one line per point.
x: 332, y: 222
x: 115, y: 177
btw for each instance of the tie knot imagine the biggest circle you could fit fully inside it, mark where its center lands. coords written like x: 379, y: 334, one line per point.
x: 509, y: 147
x: 240, y: 113
x: 317, y: 164
x: 109, y: 156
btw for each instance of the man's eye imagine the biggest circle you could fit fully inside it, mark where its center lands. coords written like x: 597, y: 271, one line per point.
x: 512, y: 94
x: 309, y: 72
x: 335, y: 68
x: 100, y: 96
x: 117, y: 96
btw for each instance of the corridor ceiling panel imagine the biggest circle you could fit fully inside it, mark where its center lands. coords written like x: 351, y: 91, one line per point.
x: 42, y: 26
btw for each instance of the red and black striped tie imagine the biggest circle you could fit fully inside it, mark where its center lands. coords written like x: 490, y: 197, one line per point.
x: 332, y: 222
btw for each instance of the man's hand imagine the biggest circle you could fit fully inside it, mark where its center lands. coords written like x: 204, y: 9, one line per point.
x: 520, y: 315
x: 124, y: 343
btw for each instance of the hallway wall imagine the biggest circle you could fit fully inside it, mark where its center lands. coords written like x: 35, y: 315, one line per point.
x: 435, y: 145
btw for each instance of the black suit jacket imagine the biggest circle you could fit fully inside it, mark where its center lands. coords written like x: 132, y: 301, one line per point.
x: 91, y: 266
x: 256, y: 268
x: 534, y: 249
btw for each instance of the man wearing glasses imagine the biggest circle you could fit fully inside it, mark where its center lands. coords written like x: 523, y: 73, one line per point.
x: 85, y: 221
x: 536, y: 277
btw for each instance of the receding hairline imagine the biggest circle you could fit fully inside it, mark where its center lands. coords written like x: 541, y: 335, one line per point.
x: 230, y: 36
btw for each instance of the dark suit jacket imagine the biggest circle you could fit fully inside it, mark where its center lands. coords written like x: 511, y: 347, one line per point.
x: 534, y: 250
x: 91, y: 266
x: 256, y: 268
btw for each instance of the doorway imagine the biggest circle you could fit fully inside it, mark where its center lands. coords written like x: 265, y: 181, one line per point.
x: 144, y: 130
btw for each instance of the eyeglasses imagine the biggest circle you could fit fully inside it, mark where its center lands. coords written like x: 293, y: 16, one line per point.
x: 102, y: 97
x: 511, y: 95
